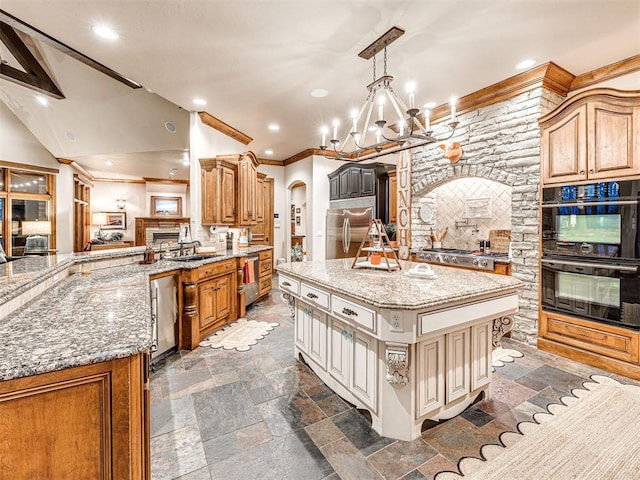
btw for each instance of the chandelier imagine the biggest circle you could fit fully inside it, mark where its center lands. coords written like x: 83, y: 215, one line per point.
x: 408, y: 132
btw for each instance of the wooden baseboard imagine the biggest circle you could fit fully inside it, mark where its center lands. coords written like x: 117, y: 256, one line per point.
x: 610, y: 364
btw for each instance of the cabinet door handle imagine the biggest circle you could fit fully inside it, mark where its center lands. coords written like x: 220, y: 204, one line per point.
x: 286, y: 284
x: 581, y: 172
x: 312, y: 295
x: 349, y: 312
x: 582, y: 334
x: 591, y: 170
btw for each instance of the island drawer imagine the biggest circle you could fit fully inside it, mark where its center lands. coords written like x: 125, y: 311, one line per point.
x: 313, y: 295
x: 217, y: 268
x: 289, y: 284
x: 353, y: 312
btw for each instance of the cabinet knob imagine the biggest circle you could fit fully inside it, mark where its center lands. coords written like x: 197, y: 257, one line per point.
x: 581, y: 172
x: 591, y: 171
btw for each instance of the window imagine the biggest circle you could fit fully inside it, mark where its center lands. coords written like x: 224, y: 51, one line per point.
x: 26, y: 208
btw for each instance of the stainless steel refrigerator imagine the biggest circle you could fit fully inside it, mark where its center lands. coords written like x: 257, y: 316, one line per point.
x: 347, y: 224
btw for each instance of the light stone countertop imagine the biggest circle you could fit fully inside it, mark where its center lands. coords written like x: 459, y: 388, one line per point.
x: 84, y: 318
x: 25, y: 272
x: 396, y: 290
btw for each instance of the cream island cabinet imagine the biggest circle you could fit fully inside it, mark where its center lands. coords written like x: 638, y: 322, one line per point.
x: 405, y: 348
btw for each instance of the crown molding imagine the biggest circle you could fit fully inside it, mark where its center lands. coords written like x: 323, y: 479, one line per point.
x: 269, y: 161
x: 164, y: 180
x: 225, y: 128
x: 26, y: 166
x: 613, y: 70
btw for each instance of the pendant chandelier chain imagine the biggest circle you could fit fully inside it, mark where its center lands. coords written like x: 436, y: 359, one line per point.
x: 385, y: 61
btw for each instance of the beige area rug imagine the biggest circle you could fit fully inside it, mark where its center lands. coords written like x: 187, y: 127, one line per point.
x: 500, y: 356
x: 595, y: 436
x: 239, y: 335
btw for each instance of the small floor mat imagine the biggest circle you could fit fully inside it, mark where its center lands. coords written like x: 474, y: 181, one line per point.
x: 239, y: 335
x: 500, y: 356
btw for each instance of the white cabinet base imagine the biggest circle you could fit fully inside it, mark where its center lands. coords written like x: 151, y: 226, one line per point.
x: 428, y: 365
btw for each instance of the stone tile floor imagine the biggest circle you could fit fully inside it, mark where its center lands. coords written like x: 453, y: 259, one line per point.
x: 261, y: 414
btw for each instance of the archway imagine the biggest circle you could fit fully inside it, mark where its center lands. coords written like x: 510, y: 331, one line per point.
x: 298, y: 222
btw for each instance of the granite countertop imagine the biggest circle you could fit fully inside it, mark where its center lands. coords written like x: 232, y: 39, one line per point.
x: 21, y: 274
x: 84, y: 318
x: 395, y: 289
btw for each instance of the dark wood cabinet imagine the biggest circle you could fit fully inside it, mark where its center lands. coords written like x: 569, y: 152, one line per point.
x: 352, y: 181
x: 367, y: 182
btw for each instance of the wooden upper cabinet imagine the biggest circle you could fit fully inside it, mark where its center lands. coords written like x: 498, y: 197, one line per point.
x: 592, y: 136
x: 260, y: 198
x: 564, y: 148
x: 262, y: 231
x: 614, y: 139
x: 218, y: 179
x: 247, y: 179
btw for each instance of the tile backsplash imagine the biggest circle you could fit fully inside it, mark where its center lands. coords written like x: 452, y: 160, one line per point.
x: 448, y: 204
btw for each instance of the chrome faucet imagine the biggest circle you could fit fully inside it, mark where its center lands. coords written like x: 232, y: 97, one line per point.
x: 167, y: 253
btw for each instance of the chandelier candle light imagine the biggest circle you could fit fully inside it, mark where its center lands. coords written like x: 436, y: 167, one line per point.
x: 407, y: 133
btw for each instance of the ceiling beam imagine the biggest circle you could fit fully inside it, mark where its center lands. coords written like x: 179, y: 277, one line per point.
x: 81, y: 57
x: 225, y: 128
x: 34, y: 75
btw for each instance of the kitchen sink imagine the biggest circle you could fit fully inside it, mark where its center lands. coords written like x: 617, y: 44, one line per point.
x: 194, y: 258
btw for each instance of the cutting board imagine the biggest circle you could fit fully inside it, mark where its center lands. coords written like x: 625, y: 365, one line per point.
x: 500, y: 240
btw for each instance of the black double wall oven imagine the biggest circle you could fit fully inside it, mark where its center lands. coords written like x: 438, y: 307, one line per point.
x: 591, y: 251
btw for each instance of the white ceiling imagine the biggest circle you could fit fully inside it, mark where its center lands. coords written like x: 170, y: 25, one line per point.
x: 255, y: 61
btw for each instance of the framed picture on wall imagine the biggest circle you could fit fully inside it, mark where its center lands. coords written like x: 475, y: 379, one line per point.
x: 166, y: 206
x: 293, y: 212
x: 115, y: 221
x: 297, y: 210
x: 297, y: 220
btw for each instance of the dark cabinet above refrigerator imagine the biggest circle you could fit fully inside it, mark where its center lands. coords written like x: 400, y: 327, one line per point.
x: 354, y: 181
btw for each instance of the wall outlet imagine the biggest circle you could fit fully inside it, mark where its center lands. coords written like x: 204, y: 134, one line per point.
x: 396, y: 323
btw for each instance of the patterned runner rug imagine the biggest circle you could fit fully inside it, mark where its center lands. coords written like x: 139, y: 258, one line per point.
x: 593, y: 437
x: 240, y: 335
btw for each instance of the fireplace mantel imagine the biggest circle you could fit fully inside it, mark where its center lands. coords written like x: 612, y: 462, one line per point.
x: 143, y: 223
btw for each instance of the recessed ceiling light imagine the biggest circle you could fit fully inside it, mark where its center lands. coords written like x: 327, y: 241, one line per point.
x: 430, y: 105
x: 105, y: 32
x: 319, y: 92
x: 108, y: 163
x: 523, y: 65
x: 71, y: 136
x: 42, y: 100
x: 171, y: 128
x: 274, y: 127
x: 268, y: 152
x: 199, y: 101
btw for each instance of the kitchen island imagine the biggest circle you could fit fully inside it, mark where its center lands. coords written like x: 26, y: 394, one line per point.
x: 405, y: 348
x: 76, y: 332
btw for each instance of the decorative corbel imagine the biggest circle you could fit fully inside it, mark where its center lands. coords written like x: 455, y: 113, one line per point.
x: 397, y: 358
x: 501, y: 326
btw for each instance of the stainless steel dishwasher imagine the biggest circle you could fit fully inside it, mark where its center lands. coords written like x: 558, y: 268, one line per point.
x: 251, y: 280
x: 164, y: 314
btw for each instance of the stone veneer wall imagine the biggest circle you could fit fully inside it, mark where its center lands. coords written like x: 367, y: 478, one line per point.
x: 501, y: 142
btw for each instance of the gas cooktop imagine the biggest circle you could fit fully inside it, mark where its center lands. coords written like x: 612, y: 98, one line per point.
x: 459, y: 257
